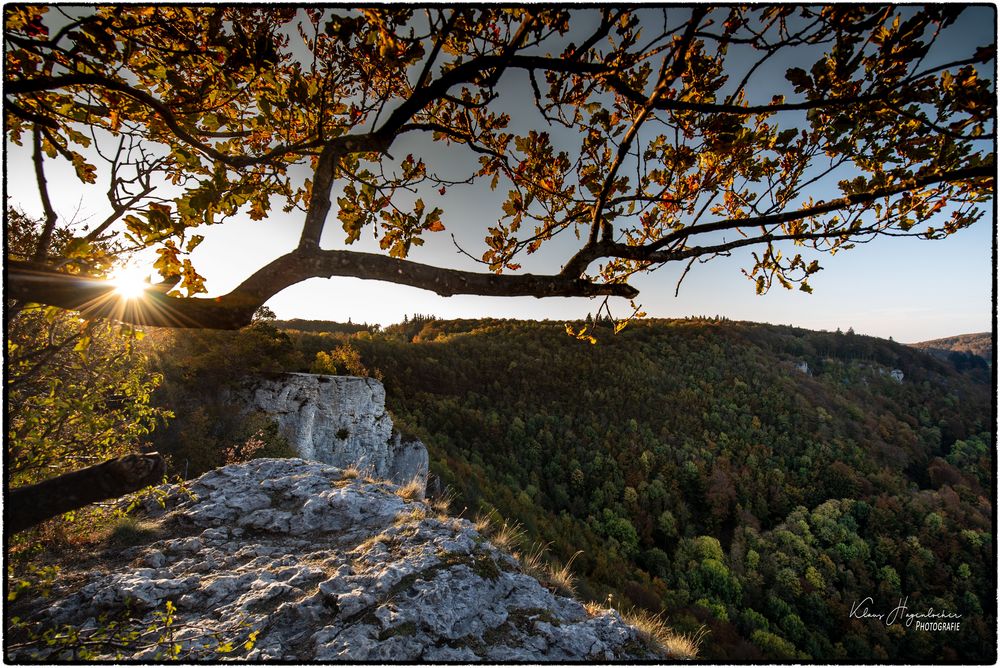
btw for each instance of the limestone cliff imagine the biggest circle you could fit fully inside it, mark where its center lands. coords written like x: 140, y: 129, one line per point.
x: 338, y: 420
x: 310, y: 564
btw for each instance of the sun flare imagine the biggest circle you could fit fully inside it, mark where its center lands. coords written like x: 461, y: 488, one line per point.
x: 130, y: 283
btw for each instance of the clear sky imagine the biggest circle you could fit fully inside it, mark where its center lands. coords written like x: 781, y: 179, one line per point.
x: 908, y: 289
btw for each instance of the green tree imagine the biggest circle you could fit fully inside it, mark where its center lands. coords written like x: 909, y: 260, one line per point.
x: 622, y: 531
x: 667, y: 130
x: 773, y: 645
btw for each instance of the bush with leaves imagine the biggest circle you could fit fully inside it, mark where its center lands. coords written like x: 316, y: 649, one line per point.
x: 78, y: 391
x: 344, y: 359
x: 217, y: 433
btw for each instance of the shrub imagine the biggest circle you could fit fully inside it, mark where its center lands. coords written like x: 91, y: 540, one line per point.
x: 342, y: 360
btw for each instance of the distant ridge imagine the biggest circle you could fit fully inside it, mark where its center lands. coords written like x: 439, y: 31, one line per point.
x: 980, y: 344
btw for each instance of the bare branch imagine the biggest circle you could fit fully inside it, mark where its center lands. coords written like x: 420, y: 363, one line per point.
x: 687, y: 268
x: 45, y: 239
x: 450, y: 132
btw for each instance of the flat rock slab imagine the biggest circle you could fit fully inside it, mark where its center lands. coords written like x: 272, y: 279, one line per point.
x: 310, y: 565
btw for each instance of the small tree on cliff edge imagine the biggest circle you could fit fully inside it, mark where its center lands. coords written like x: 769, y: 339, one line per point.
x: 666, y: 142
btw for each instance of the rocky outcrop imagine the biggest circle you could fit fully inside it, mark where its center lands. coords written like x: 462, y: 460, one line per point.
x: 289, y: 560
x: 338, y: 420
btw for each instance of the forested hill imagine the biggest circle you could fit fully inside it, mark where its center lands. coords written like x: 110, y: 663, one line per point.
x: 759, y: 480
x: 980, y: 345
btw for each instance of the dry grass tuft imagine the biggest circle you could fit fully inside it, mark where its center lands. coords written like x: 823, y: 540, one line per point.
x: 556, y: 577
x: 483, y: 524
x: 350, y: 473
x: 661, y: 638
x: 532, y: 561
x: 415, y: 514
x: 370, y: 542
x: 411, y: 491
x: 561, y: 578
x: 508, y: 537
x: 442, y: 503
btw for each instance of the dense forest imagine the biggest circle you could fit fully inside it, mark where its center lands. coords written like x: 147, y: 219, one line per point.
x: 757, y: 481
x: 962, y: 348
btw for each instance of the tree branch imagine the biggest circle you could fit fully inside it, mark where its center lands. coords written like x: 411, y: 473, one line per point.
x: 669, y: 71
x: 602, y: 31
x: 701, y: 251
x: 26, y: 115
x: 96, y: 298
x: 440, y: 39
x: 466, y: 72
x: 468, y: 140
x: 319, y: 199
x: 27, y: 506
x: 619, y: 86
x: 652, y: 253
x: 510, y: 48
x: 40, y: 84
x: 826, y: 207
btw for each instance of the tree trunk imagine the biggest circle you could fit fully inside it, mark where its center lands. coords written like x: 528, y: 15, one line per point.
x: 27, y: 506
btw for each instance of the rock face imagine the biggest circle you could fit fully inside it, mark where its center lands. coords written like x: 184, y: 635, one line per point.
x: 313, y: 566
x: 338, y: 420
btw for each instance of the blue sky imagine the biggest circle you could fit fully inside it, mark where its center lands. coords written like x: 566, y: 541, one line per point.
x: 908, y: 289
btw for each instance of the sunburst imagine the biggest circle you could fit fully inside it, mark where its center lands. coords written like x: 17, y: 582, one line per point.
x: 130, y: 283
